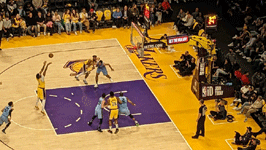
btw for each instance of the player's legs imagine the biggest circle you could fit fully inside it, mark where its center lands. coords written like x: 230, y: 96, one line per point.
x: 81, y: 72
x: 112, y: 113
x: 86, y: 76
x: 43, y: 102
x: 132, y: 117
x: 40, y: 96
x: 96, y: 80
x: 8, y: 122
x: 106, y: 74
x: 116, y: 122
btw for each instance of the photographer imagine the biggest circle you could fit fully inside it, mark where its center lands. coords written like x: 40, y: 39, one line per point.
x: 220, y: 112
x: 251, y: 146
x: 188, y: 68
x: 244, y: 139
x: 185, y: 58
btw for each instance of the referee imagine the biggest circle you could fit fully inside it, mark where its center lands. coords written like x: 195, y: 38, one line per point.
x: 201, y: 120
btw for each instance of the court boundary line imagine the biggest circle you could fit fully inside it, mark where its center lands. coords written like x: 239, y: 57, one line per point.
x: 220, y: 122
x: 6, y: 145
x: 57, y: 44
x: 226, y: 140
x: 153, y: 93
x: 175, y: 72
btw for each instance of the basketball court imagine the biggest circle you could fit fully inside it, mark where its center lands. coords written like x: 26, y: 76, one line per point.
x: 165, y: 106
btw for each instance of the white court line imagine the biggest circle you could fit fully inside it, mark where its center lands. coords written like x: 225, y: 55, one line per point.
x: 53, y: 95
x: 153, y: 93
x: 58, y: 44
x: 81, y: 111
x: 78, y: 119
x: 136, y: 114
x: 67, y: 99
x: 68, y: 125
x: 77, y: 104
x: 25, y: 126
x: 226, y: 140
x: 175, y: 71
x: 220, y: 122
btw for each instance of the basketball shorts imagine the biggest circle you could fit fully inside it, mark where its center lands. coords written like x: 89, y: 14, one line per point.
x: 41, y: 93
x: 103, y: 70
x: 113, y: 114
x: 99, y: 113
x: 124, y: 111
x: 3, y: 119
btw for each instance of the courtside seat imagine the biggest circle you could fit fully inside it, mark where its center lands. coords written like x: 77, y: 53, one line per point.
x: 100, y: 18
x: 108, y: 17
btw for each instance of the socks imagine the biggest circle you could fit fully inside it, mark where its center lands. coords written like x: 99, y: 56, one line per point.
x: 116, y: 125
x: 43, y: 104
x: 136, y: 121
x: 37, y: 102
x: 101, y: 121
x: 110, y: 127
x: 7, y: 126
x: 93, y: 118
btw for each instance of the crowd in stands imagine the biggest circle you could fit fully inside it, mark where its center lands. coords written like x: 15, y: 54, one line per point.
x: 20, y: 18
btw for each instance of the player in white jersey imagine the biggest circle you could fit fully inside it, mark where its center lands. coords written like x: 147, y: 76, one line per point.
x: 6, y: 116
x: 123, y: 109
x: 99, y: 112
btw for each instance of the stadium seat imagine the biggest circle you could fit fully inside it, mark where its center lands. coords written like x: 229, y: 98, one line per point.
x: 108, y: 17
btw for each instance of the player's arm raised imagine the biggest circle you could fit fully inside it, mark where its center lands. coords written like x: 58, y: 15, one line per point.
x: 109, y: 66
x: 131, y: 102
x: 44, y: 73
x: 44, y: 63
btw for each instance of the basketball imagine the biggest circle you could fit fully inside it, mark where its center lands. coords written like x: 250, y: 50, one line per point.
x: 51, y: 55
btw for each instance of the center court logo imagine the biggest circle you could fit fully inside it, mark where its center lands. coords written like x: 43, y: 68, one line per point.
x: 74, y: 65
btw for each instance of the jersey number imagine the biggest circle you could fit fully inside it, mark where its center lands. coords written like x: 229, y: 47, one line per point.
x: 6, y: 109
x: 113, y: 103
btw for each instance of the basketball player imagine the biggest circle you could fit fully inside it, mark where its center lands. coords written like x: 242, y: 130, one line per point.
x: 99, y: 112
x: 84, y: 69
x: 41, y: 86
x: 112, y: 101
x: 123, y: 109
x: 6, y: 116
x: 101, y: 68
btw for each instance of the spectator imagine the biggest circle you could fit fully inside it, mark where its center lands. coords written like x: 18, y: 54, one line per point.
x: 125, y: 21
x: 179, y: 18
x: 251, y: 146
x: 188, y: 68
x: 238, y: 96
x: 40, y: 23
x: 188, y: 23
x: 167, y: 10
x: 196, y: 13
x: 66, y: 18
x: 244, y: 139
x: 37, y: 4
x: 258, y: 81
x: 23, y: 27
x: 12, y: 8
x: 215, y: 64
x: 247, y: 47
x: 7, y: 27
x: 231, y: 56
x: 134, y: 13
x: 49, y: 23
x: 200, y: 19
x: 245, y: 97
x: 140, y: 17
x: 237, y: 40
x: 220, y: 112
x: 225, y: 70
x: 252, y: 99
x: 57, y: 22
x: 159, y: 13
x: 117, y: 15
x: 253, y: 108
x: 93, y: 19
x: 75, y: 21
x: 245, y: 79
x: 84, y: 19
x: 152, y: 12
x: 238, y: 74
x: 32, y: 25
x: 20, y: 3
x: 93, y: 4
x: 16, y: 25
x: 21, y: 11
